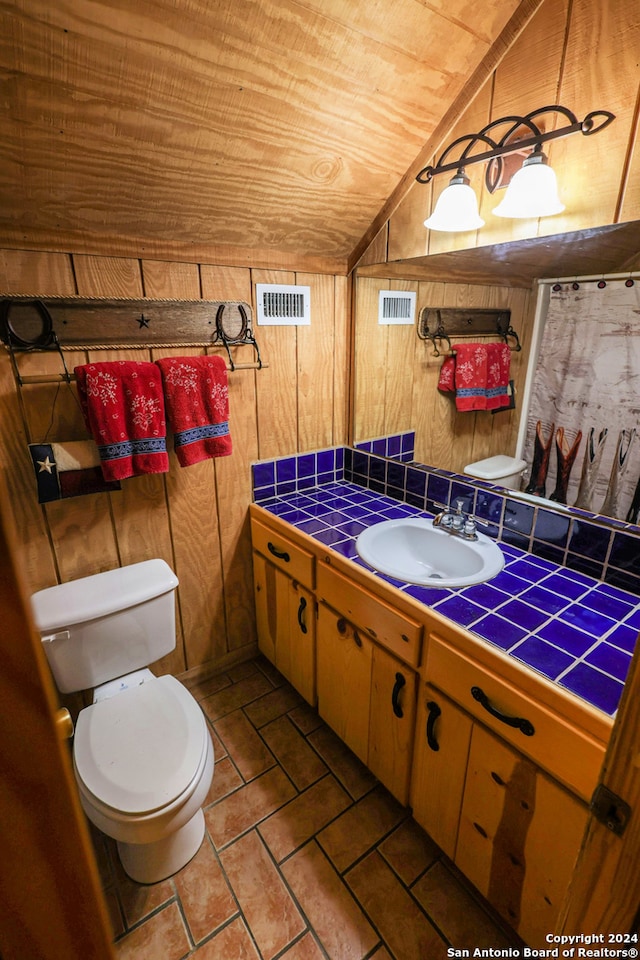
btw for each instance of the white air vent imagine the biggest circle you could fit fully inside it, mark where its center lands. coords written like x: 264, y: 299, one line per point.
x: 396, y: 306
x: 281, y: 304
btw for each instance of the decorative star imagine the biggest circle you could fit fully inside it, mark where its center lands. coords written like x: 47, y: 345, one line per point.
x: 45, y: 465
x: 142, y: 321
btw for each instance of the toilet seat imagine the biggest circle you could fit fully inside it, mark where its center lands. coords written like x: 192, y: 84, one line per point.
x: 139, y: 751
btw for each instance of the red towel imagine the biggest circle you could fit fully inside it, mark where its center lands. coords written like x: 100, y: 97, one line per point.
x: 197, y: 399
x: 447, y: 378
x: 124, y: 411
x: 498, y: 364
x: 482, y: 376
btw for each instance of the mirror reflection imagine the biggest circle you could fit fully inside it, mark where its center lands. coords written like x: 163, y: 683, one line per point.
x: 579, y: 440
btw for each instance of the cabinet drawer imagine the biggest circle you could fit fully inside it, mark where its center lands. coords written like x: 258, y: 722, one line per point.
x: 295, y: 561
x: 395, y: 631
x: 572, y: 756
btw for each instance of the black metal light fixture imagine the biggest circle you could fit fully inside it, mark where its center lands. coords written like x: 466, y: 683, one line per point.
x: 532, y: 191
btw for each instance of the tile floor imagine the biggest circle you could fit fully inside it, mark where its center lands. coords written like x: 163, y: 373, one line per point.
x: 306, y: 855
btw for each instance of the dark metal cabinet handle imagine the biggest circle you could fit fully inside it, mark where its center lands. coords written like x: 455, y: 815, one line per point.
x: 280, y: 554
x: 434, y: 713
x: 520, y: 723
x: 301, y: 608
x: 395, y: 703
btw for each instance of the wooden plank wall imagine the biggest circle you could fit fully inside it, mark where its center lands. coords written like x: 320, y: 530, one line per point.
x: 194, y: 518
x: 582, y: 54
x: 396, y: 375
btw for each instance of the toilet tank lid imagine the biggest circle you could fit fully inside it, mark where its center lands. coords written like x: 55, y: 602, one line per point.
x: 493, y: 468
x: 101, y: 594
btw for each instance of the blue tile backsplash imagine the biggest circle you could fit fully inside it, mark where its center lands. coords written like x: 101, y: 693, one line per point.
x: 567, y: 602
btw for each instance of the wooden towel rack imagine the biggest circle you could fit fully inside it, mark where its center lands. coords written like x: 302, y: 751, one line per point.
x: 95, y: 323
x: 439, y: 324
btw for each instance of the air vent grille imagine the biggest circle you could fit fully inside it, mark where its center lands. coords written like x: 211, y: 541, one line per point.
x: 396, y: 307
x: 282, y: 304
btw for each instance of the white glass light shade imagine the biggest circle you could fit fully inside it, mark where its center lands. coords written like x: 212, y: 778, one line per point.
x: 457, y: 208
x: 533, y: 191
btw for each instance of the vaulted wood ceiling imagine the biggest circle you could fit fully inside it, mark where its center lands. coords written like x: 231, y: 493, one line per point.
x: 240, y: 130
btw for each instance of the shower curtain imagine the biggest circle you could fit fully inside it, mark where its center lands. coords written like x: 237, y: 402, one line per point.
x: 585, y: 399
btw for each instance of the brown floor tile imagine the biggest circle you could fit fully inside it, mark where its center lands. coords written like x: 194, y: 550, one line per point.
x: 162, y: 937
x: 293, y: 825
x: 139, y: 900
x: 273, y: 705
x: 360, y: 827
x: 232, y: 943
x: 206, y: 899
x: 305, y: 718
x: 352, y: 774
x: 305, y: 949
x: 242, y: 670
x: 244, y: 745
x: 353, y: 867
x: 235, y: 696
x: 226, y: 779
x: 204, y: 688
x: 409, y: 851
x: 271, y: 914
x: 404, y: 928
x: 219, y: 749
x: 236, y: 814
x: 270, y: 672
x: 340, y: 925
x: 456, y: 912
x: 299, y: 760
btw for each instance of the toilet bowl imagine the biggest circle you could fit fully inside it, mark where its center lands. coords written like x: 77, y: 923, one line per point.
x: 143, y: 762
x: 505, y: 471
x: 142, y: 752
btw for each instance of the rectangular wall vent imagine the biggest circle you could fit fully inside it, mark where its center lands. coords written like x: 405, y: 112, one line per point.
x: 395, y: 306
x: 282, y: 304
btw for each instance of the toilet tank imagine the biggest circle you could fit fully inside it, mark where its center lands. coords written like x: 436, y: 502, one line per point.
x: 104, y: 626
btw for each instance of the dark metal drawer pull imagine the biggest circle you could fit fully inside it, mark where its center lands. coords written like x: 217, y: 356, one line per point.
x: 520, y: 723
x: 434, y: 713
x: 301, y: 608
x: 397, y: 687
x: 280, y: 554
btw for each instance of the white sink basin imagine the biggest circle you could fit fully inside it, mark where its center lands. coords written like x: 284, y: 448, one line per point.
x: 414, y: 551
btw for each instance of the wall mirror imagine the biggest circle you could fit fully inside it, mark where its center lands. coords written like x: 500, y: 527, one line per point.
x: 396, y: 374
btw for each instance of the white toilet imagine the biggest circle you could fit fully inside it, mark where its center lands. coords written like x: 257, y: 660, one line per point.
x: 505, y: 471
x: 142, y: 753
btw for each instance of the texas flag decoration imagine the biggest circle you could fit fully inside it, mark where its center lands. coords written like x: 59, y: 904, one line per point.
x: 70, y: 469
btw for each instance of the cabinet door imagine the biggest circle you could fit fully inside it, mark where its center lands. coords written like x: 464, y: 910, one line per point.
x: 285, y: 620
x: 296, y: 645
x: 392, y: 716
x: 441, y: 754
x: 271, y: 604
x: 519, y: 836
x: 344, y: 659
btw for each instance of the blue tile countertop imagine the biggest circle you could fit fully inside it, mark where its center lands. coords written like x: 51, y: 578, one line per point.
x: 575, y: 630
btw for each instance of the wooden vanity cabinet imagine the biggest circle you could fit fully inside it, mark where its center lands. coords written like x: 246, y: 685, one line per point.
x: 498, y: 764
x: 367, y: 696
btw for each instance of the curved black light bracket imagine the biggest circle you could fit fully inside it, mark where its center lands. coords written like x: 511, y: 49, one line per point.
x: 593, y: 122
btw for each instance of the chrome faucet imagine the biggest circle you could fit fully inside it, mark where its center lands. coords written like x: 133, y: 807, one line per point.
x: 456, y: 522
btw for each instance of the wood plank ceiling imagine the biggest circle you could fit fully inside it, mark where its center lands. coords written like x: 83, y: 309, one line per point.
x: 258, y: 131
